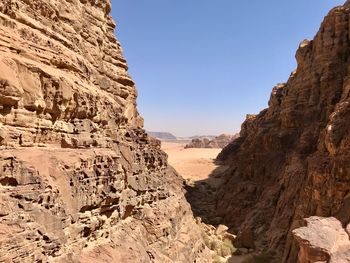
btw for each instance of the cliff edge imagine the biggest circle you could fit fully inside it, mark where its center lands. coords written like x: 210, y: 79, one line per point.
x: 292, y: 159
x: 80, y: 181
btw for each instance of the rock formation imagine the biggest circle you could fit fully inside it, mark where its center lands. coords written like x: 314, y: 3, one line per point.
x: 323, y: 240
x: 163, y: 136
x: 80, y: 181
x: 220, y: 141
x: 292, y: 159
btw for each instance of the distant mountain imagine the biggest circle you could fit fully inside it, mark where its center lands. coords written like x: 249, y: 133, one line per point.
x: 163, y: 136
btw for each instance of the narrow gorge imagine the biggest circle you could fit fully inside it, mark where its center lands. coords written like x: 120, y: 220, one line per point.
x: 81, y: 181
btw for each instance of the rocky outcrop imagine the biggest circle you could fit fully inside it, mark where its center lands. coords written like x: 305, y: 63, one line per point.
x: 218, y: 142
x: 323, y: 240
x: 80, y: 181
x: 292, y: 159
x: 163, y: 136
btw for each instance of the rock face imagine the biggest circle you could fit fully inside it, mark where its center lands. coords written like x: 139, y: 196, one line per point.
x: 80, y: 181
x: 292, y: 159
x: 218, y: 142
x: 163, y: 136
x: 323, y: 240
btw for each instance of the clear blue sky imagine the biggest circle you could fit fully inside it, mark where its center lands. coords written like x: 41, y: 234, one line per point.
x: 200, y: 66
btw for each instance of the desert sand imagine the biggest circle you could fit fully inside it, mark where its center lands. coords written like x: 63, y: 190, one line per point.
x: 196, y: 165
x: 192, y: 164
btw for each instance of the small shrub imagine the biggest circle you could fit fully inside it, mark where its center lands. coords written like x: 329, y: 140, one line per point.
x: 227, y: 248
x: 218, y: 259
x: 214, y: 245
x: 206, y: 240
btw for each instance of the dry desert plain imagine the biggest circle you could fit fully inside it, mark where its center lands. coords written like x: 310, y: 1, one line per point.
x: 192, y: 164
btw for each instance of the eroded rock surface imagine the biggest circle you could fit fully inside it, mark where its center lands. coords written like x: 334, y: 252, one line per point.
x: 292, y: 159
x: 323, y: 240
x: 80, y: 181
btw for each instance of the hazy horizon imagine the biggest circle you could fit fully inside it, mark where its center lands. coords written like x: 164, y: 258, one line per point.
x: 188, y: 136
x: 201, y: 67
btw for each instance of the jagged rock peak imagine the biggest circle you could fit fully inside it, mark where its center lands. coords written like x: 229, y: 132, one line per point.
x: 65, y: 73
x: 291, y: 160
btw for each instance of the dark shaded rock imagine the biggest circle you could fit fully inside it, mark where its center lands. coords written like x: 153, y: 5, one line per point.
x: 292, y: 159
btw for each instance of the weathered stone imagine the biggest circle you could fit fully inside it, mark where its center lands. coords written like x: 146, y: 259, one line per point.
x: 245, y: 239
x: 244, y: 250
x: 100, y: 190
x: 292, y: 159
x: 322, y: 240
x: 221, y: 230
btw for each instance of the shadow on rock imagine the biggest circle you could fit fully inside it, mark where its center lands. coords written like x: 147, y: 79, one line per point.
x: 202, y: 196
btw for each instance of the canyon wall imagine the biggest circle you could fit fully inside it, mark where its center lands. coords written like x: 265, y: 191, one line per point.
x: 292, y: 159
x: 80, y: 181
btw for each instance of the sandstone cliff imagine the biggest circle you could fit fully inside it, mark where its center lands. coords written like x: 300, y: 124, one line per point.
x: 292, y: 159
x: 80, y: 181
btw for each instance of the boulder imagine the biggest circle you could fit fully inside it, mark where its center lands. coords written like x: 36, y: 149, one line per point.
x: 322, y: 240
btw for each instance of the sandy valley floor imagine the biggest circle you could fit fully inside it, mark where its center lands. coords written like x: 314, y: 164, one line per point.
x: 193, y: 164
x: 196, y: 165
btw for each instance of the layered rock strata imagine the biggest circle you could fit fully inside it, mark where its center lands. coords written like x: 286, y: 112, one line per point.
x: 80, y: 181
x: 292, y: 159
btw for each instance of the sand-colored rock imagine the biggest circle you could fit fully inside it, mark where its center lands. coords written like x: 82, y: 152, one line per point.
x: 292, y: 159
x: 323, y: 240
x: 80, y: 181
